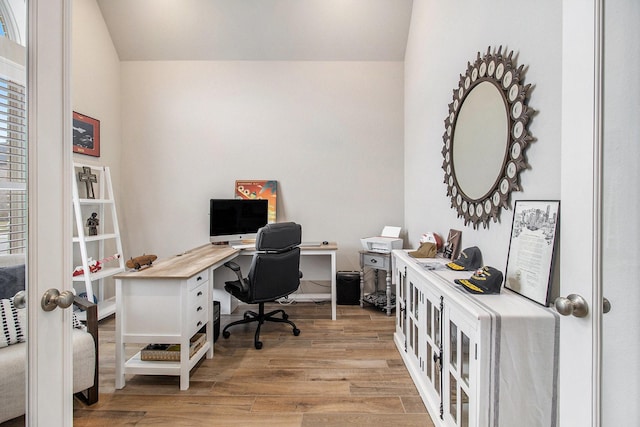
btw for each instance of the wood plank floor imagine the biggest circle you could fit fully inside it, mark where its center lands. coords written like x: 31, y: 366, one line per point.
x: 335, y: 373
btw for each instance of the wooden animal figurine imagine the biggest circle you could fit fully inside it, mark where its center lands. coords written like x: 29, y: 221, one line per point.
x: 142, y: 261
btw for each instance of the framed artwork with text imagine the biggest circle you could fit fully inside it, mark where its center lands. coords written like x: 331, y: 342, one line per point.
x: 531, y: 249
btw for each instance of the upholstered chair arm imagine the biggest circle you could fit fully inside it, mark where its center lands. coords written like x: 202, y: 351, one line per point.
x: 90, y: 396
x: 92, y: 315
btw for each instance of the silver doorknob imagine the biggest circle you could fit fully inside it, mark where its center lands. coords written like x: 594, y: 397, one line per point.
x: 572, y: 305
x: 20, y: 300
x: 53, y: 298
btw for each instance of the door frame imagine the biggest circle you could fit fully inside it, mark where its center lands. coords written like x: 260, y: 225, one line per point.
x: 49, y: 364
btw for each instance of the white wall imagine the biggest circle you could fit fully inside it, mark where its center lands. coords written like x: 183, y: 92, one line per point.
x: 330, y: 133
x: 95, y: 81
x: 95, y: 92
x: 444, y: 36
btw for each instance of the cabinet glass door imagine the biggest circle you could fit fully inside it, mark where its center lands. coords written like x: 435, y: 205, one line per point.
x: 401, y: 304
x: 432, y: 341
x: 458, y: 378
x: 414, y: 299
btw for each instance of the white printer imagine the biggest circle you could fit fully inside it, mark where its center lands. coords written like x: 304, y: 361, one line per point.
x: 387, y: 241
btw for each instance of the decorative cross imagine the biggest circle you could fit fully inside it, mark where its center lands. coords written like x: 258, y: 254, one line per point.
x: 88, y: 178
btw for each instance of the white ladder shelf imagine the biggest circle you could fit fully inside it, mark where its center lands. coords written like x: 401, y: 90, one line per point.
x: 93, y: 246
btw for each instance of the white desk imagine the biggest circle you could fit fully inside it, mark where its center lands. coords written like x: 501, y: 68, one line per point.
x: 172, y: 300
x: 167, y: 303
x: 330, y: 250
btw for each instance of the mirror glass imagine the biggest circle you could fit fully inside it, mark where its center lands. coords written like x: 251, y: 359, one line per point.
x: 481, y: 132
x: 486, y: 135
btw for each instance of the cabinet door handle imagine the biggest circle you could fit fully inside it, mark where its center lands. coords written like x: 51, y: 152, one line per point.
x: 199, y: 294
x: 199, y: 323
x: 199, y: 309
x: 199, y: 278
x: 373, y: 261
x: 436, y: 360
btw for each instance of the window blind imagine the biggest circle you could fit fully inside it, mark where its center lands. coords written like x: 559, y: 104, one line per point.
x: 13, y: 168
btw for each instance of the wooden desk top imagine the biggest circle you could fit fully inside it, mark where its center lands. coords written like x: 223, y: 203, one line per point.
x: 331, y: 246
x: 199, y: 259
x: 184, y: 265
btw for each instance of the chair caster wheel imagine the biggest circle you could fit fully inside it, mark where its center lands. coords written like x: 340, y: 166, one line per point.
x: 226, y: 334
x: 296, y: 332
x: 258, y: 345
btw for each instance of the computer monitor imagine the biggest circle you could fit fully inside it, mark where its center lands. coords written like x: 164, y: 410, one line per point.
x: 235, y: 220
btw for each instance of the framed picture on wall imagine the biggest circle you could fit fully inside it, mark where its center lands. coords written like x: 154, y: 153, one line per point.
x: 86, y: 135
x: 531, y: 249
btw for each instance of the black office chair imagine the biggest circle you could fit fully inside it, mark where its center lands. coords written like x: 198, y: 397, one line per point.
x: 274, y: 273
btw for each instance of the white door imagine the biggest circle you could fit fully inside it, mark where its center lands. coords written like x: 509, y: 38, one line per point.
x: 578, y: 221
x: 620, y: 391
x: 49, y: 400
x: 599, y: 232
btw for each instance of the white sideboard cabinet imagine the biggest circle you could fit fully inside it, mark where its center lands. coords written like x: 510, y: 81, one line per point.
x: 477, y: 360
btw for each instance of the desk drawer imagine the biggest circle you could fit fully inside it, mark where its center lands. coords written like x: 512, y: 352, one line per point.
x: 376, y: 261
x: 198, y: 307
x: 197, y: 320
x: 198, y: 295
x: 199, y: 278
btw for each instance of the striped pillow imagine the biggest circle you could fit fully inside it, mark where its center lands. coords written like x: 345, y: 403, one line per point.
x: 76, y: 322
x: 12, y: 331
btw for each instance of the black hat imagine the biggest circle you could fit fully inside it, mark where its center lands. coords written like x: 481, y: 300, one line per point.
x: 469, y: 260
x: 486, y: 280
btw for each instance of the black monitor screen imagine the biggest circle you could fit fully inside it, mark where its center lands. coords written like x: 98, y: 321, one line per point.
x: 236, y: 219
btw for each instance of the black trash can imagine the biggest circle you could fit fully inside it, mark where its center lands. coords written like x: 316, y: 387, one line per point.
x: 216, y: 320
x: 348, y: 288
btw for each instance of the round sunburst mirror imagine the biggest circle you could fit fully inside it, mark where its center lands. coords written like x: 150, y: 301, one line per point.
x: 486, y: 135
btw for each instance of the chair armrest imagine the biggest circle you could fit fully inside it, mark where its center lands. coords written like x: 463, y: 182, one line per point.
x: 236, y: 268
x: 90, y: 396
x: 232, y: 265
x: 242, y: 283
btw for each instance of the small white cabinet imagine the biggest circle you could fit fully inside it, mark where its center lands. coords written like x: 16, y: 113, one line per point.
x: 477, y: 360
x: 381, y: 299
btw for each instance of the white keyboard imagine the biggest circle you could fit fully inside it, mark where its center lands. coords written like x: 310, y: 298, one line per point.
x: 243, y: 246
